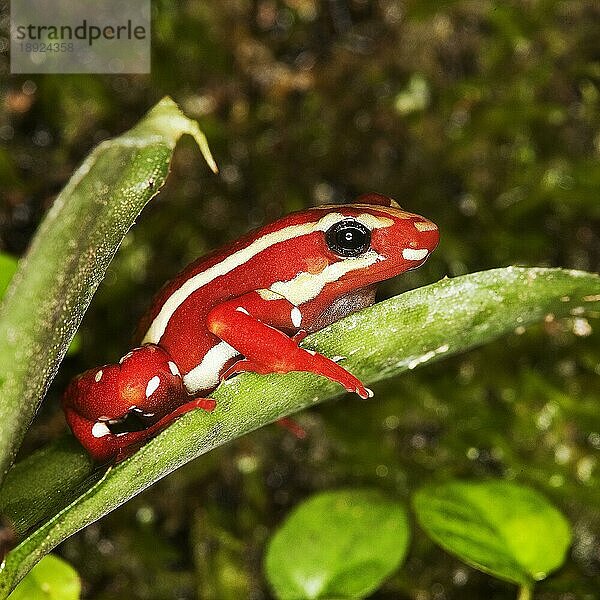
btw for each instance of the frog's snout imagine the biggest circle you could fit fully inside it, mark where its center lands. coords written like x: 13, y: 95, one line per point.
x: 424, y: 240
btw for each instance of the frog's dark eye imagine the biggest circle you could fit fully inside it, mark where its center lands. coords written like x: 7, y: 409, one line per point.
x: 348, y: 238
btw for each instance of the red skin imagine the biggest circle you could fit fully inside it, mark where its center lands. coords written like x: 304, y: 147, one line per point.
x: 232, y: 308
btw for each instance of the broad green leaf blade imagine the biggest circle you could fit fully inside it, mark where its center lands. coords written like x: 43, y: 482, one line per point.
x: 402, y: 333
x: 51, y: 579
x: 499, y: 527
x: 68, y: 257
x: 340, y: 544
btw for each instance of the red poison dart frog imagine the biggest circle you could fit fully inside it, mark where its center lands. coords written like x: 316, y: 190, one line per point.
x: 245, y: 307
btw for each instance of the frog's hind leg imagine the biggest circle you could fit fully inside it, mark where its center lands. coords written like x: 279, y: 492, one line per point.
x: 114, y: 409
x: 108, y: 441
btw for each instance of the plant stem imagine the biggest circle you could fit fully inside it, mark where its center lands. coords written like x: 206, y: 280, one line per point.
x: 525, y: 592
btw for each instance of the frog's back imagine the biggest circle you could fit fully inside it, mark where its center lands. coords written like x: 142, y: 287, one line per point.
x: 176, y: 319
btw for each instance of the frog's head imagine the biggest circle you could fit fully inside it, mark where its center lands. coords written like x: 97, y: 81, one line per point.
x: 374, y: 239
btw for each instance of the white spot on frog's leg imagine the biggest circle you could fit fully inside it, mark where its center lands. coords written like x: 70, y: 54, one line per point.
x: 173, y: 368
x: 242, y: 310
x: 152, y: 386
x: 98, y: 376
x: 100, y: 430
x: 296, y: 316
x: 412, y: 254
x: 123, y: 358
x: 206, y: 375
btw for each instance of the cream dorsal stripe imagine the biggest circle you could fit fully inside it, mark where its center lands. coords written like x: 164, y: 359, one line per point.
x: 307, y: 286
x: 242, y: 256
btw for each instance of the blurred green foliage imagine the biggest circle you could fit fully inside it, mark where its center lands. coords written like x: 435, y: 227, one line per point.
x: 482, y: 116
x: 51, y: 579
x: 505, y: 529
x: 337, y: 544
x: 345, y: 543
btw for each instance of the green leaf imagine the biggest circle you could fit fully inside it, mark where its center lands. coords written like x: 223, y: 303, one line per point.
x: 340, y: 544
x: 420, y: 326
x: 499, y: 527
x: 68, y: 257
x: 8, y: 266
x: 24, y: 502
x: 51, y: 579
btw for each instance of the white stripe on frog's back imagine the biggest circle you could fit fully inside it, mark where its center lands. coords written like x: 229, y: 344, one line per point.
x: 229, y: 263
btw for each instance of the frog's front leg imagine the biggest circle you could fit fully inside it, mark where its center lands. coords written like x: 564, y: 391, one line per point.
x: 252, y: 325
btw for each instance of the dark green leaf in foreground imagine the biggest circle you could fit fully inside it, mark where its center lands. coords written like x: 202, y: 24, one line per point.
x: 499, y: 527
x: 340, y: 544
x: 421, y: 326
x: 68, y: 257
x: 51, y: 579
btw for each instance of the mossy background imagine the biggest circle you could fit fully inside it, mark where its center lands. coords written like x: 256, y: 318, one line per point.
x: 483, y: 116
